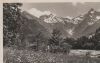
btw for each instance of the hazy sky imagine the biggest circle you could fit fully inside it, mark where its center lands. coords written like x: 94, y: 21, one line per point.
x: 63, y: 9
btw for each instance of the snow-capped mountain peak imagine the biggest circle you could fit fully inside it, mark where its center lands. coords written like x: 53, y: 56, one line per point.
x: 93, y: 16
x: 51, y: 19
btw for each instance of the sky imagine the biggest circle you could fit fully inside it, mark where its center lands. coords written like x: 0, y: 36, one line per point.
x: 61, y: 9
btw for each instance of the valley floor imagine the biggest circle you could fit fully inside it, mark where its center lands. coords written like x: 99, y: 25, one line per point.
x: 28, y: 56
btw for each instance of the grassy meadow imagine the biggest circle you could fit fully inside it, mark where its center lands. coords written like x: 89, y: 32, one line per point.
x: 29, y: 56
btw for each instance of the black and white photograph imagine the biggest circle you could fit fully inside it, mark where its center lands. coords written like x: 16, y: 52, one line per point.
x: 56, y: 32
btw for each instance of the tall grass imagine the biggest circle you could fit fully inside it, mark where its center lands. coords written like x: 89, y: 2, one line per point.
x: 29, y: 56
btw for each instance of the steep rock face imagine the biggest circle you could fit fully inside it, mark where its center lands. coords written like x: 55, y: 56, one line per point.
x: 89, y: 24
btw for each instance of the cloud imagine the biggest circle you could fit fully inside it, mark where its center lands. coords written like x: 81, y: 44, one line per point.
x: 38, y: 13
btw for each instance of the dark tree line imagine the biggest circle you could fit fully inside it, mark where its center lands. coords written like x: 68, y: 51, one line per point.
x: 91, y: 43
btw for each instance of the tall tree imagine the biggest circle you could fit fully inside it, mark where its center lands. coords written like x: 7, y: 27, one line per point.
x: 11, y: 22
x: 55, y: 39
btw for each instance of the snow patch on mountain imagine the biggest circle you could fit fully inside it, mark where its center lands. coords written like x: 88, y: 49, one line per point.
x: 50, y: 19
x: 90, y: 36
x: 92, y: 12
x: 70, y: 31
x: 98, y: 17
x: 68, y: 17
x: 78, y: 19
x: 90, y: 23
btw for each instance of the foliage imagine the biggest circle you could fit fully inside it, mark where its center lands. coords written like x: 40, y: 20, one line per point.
x: 57, y: 44
x: 55, y: 39
x: 11, y: 23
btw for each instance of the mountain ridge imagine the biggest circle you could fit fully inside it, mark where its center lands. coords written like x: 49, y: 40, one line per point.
x: 75, y: 27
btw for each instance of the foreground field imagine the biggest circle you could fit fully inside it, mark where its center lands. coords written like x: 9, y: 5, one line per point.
x: 26, y: 56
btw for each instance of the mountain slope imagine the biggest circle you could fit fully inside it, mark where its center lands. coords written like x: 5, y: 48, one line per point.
x: 89, y: 24
x: 32, y: 27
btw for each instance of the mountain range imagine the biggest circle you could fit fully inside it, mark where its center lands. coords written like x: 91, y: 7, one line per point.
x: 74, y: 27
